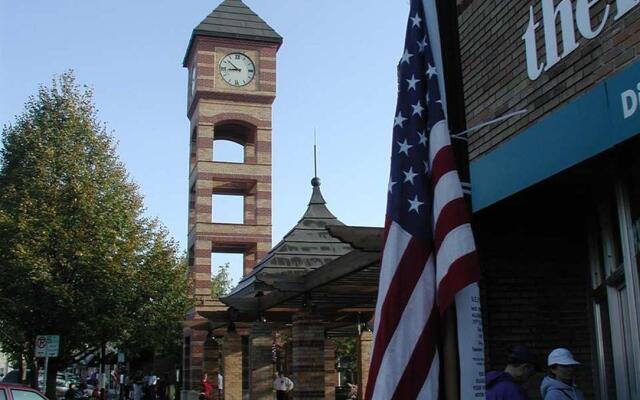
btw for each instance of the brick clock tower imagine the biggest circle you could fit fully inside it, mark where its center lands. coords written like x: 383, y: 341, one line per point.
x: 231, y: 59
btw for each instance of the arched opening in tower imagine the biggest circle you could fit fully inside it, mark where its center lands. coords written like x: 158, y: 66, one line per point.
x: 234, y: 141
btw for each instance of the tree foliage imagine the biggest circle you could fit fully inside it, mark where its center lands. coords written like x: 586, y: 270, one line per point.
x: 77, y: 255
x: 346, y: 355
x: 221, y: 282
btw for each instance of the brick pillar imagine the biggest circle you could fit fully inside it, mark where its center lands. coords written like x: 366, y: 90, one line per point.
x: 363, y: 347
x: 211, y: 362
x: 261, y: 362
x: 232, y: 366
x: 198, y: 338
x: 308, y: 357
x: 330, y: 373
x: 288, y: 357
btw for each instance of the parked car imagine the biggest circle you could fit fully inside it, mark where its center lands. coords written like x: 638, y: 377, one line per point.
x: 10, y: 391
x: 62, y: 385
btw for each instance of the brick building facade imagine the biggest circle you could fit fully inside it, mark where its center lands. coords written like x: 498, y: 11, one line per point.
x: 556, y: 187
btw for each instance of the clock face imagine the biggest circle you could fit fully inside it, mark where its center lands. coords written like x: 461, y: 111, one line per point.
x: 237, y: 69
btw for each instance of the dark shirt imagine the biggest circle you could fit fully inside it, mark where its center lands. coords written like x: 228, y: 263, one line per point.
x: 500, y: 386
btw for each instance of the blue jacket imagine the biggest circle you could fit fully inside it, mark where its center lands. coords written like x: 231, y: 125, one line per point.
x: 553, y: 389
x: 500, y: 386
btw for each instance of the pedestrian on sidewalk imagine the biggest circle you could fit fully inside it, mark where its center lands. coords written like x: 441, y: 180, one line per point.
x: 207, y: 389
x: 282, y: 386
x: 353, y: 391
x: 507, y: 384
x: 560, y: 383
x: 219, y: 386
x: 71, y: 392
x: 137, y: 386
x: 162, y: 387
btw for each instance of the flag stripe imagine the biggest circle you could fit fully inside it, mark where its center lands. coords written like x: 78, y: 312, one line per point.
x: 432, y: 383
x: 463, y: 272
x: 438, y: 139
x: 392, y: 254
x: 398, y: 294
x: 452, y: 215
x: 406, y: 336
x: 447, y: 190
x: 455, y: 245
x: 416, y: 372
x: 442, y: 163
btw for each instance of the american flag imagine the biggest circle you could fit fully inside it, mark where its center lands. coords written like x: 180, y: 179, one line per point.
x: 429, y: 252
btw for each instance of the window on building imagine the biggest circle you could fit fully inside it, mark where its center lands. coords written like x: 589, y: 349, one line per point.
x: 614, y: 276
x: 193, y: 79
x: 228, y: 151
x: 227, y: 209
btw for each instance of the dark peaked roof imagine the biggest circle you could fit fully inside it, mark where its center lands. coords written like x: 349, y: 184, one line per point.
x: 234, y: 20
x: 306, y: 247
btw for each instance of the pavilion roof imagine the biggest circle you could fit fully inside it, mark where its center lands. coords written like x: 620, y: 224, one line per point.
x: 343, y: 291
x: 306, y: 247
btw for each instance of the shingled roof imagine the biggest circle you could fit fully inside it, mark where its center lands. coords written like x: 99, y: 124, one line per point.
x: 234, y: 20
x: 306, y: 247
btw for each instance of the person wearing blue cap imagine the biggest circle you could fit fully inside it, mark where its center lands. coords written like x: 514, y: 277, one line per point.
x: 507, y: 384
x: 559, y: 384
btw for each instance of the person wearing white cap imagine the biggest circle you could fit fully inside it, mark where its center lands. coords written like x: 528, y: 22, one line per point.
x: 559, y: 384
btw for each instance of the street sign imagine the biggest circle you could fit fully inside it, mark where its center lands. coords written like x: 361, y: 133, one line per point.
x: 47, y: 345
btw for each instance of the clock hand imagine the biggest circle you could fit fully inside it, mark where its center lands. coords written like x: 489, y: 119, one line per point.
x: 235, y: 68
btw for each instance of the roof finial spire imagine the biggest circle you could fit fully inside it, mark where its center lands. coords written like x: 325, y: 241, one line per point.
x: 315, y: 182
x: 315, y: 159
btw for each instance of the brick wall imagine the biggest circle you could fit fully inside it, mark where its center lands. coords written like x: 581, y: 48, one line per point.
x: 232, y: 366
x: 535, y: 283
x: 308, y: 368
x: 260, y: 361
x: 330, y: 373
x: 494, y: 67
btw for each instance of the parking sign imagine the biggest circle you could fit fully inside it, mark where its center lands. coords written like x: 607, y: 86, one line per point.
x: 47, y: 345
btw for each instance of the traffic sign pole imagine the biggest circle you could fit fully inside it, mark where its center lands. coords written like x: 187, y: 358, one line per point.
x: 46, y: 369
x: 47, y: 346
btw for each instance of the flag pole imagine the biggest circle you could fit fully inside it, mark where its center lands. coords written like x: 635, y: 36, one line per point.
x: 450, y: 47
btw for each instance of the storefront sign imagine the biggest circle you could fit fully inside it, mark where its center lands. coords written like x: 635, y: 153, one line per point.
x: 630, y: 99
x: 568, y: 22
x: 589, y: 124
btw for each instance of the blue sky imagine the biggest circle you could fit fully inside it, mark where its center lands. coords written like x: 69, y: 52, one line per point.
x: 336, y: 72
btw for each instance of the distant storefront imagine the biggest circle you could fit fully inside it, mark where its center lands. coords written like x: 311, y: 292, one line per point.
x: 556, y: 189
x: 5, y: 367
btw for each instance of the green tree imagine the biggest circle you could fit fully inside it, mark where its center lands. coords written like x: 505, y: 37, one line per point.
x: 77, y: 255
x: 221, y: 282
x: 346, y: 355
x: 159, y: 298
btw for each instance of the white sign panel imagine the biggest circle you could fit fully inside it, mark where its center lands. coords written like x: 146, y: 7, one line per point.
x: 470, y: 343
x: 47, y: 345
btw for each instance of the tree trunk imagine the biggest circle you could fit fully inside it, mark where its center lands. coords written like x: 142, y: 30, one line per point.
x: 22, y: 371
x: 32, y: 374
x: 52, y: 372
